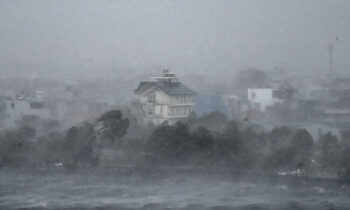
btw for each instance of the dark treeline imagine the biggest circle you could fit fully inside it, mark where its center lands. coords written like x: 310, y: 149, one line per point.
x: 79, y: 145
x: 238, y: 145
x: 207, y: 141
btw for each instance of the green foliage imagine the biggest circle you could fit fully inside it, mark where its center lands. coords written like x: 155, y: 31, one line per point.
x: 214, y: 121
x: 229, y: 142
x: 112, y: 125
x: 79, y: 145
x: 202, y: 140
x: 289, y: 150
x: 161, y: 143
x: 330, y: 150
x: 50, y: 148
x: 234, y: 146
x: 302, y: 140
x: 279, y: 137
x: 282, y: 159
x: 14, y: 145
x: 26, y: 132
x: 170, y: 144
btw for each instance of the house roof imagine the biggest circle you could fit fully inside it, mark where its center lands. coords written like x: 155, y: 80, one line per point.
x: 169, y: 88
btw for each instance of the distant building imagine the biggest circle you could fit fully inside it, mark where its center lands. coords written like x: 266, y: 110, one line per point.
x: 164, y: 98
x: 19, y: 107
x: 260, y: 98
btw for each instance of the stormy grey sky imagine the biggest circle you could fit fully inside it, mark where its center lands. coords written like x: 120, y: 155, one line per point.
x: 184, y: 35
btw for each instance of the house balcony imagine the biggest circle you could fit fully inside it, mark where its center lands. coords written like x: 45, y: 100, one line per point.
x: 178, y: 117
x: 169, y: 104
x: 183, y: 104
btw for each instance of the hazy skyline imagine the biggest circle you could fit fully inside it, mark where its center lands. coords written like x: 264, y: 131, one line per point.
x: 187, y: 36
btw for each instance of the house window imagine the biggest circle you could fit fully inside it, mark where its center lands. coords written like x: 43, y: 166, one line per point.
x: 151, y: 98
x: 36, y: 105
x: 150, y: 110
x: 171, y: 111
x: 253, y: 95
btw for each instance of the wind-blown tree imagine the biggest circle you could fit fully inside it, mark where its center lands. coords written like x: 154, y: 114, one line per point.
x: 83, y: 144
x: 176, y: 144
x: 108, y: 127
x: 160, y: 143
x: 10, y: 148
x: 201, y: 146
x: 15, y: 145
x: 295, y: 154
x: 229, y: 144
x: 202, y: 140
x: 303, y: 143
x: 280, y: 137
x: 111, y: 125
x: 302, y: 140
x: 214, y: 121
x: 330, y: 151
x: 78, y: 145
x: 254, y: 148
x: 26, y: 132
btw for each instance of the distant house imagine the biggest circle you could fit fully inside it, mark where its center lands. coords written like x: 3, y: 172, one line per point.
x: 19, y: 107
x: 261, y: 98
x: 164, y: 98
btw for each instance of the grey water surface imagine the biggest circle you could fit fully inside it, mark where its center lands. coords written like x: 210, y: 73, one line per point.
x: 110, y: 189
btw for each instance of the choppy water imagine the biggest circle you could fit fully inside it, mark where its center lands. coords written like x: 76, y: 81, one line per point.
x: 109, y: 189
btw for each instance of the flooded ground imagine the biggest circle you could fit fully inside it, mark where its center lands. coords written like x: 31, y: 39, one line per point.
x: 112, y: 189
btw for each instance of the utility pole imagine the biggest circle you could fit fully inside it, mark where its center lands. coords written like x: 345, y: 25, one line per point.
x: 330, y: 51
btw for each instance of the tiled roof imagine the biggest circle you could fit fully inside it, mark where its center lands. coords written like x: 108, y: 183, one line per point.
x: 169, y: 88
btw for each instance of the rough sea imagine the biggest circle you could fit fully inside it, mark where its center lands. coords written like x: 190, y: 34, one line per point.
x: 104, y: 188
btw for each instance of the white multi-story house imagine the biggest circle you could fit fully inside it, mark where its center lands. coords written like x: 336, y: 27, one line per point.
x: 165, y: 98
